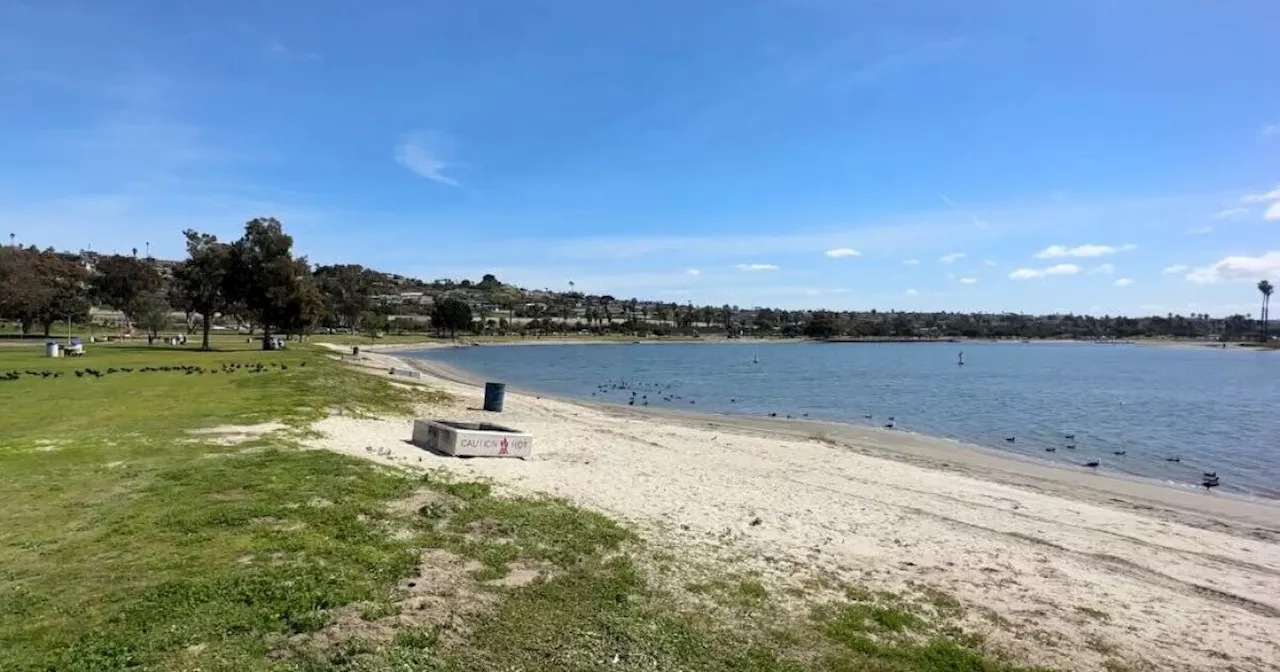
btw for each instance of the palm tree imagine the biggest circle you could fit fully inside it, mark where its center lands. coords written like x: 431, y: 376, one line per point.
x: 1265, y: 288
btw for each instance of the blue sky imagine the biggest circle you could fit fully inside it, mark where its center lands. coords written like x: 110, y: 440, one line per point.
x: 1056, y: 155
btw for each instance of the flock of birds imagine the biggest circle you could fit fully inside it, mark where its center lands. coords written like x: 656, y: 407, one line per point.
x: 637, y: 394
x: 225, y: 368
x: 1209, y: 478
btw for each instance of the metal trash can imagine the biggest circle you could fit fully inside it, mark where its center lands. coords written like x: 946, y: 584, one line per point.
x: 494, y: 395
x: 51, y: 350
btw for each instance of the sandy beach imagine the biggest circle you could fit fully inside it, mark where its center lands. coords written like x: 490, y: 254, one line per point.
x: 1059, y: 567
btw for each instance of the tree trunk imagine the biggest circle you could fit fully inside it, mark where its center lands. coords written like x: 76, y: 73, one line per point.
x: 205, y: 324
x: 48, y: 327
x: 266, y: 337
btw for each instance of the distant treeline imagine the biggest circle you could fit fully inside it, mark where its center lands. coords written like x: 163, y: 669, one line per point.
x: 255, y: 283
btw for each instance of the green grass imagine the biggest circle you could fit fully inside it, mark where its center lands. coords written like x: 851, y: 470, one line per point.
x: 128, y: 543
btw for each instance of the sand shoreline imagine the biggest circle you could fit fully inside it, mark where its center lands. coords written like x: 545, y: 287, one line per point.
x: 1182, y: 579
x: 1256, y: 516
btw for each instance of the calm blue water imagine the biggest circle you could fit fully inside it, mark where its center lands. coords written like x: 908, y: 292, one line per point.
x: 1219, y: 411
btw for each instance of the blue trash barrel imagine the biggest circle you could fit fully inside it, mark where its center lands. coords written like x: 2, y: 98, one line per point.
x: 494, y: 393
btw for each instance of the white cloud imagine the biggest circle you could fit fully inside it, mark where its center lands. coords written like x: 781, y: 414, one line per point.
x: 1123, y: 282
x: 1238, y: 268
x: 1231, y: 213
x: 910, y: 262
x: 948, y: 258
x: 1176, y: 268
x: 413, y: 152
x: 1199, y: 230
x: 1060, y: 251
x: 1273, y: 195
x: 1029, y: 273
x: 912, y: 292
x: 1273, y: 213
x: 1270, y: 131
x: 968, y: 281
x: 989, y: 262
x: 693, y: 271
x: 1105, y: 269
x: 756, y: 267
x: 839, y: 252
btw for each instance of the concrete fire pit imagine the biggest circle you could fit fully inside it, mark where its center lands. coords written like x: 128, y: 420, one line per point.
x: 471, y: 439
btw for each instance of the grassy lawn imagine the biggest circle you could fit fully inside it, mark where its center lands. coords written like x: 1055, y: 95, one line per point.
x: 127, y: 542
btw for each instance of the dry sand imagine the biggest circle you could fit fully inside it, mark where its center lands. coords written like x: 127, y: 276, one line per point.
x: 1071, y: 569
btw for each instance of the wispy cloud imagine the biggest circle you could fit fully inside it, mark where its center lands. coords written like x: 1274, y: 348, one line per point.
x: 973, y: 219
x: 1122, y: 282
x: 1273, y: 195
x: 968, y: 281
x: 415, y: 152
x: 1060, y: 251
x: 989, y: 262
x: 841, y: 252
x: 1176, y: 268
x: 1199, y: 230
x: 1231, y: 213
x: 912, y: 292
x: 278, y: 49
x: 693, y: 271
x: 913, y: 55
x: 1269, y: 131
x: 1032, y: 273
x: 1233, y: 268
x: 950, y: 258
x: 910, y: 262
x: 1272, y: 213
x: 1105, y: 269
x: 756, y: 267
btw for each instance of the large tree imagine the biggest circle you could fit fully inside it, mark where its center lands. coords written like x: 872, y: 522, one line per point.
x: 64, y: 293
x: 151, y: 312
x: 118, y: 281
x: 202, y: 279
x: 21, y: 291
x: 275, y: 290
x: 450, y: 315
x: 347, y: 289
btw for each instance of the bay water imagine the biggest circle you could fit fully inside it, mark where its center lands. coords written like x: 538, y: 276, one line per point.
x: 1217, y: 411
